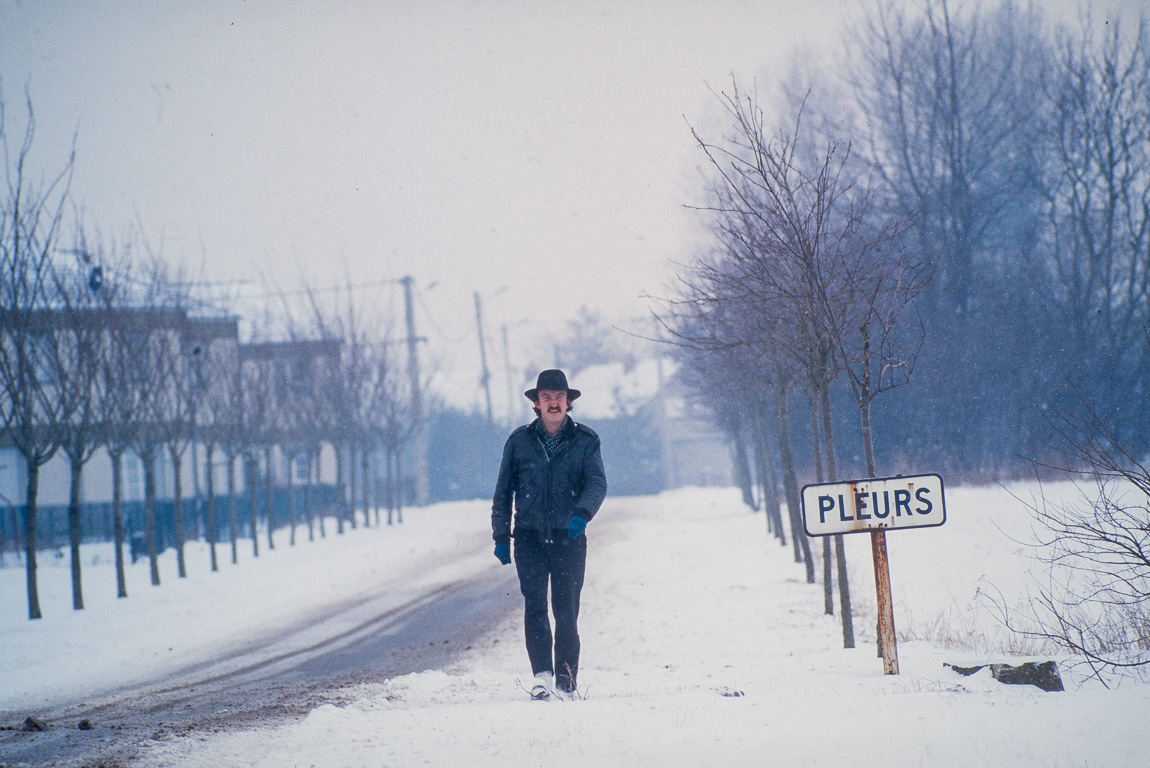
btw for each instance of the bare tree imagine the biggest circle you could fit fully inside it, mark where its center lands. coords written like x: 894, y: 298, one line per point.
x: 1096, y: 185
x: 227, y: 431
x: 82, y: 328
x: 347, y: 390
x: 257, y: 384
x: 304, y: 410
x: 298, y: 398
x: 947, y: 94
x: 385, y: 422
x: 160, y: 404
x: 787, y: 212
x: 215, y: 376
x: 866, y: 316
x: 30, y: 224
x: 1095, y: 598
x: 177, y: 397
x: 396, y: 421
x: 125, y: 343
x: 729, y: 314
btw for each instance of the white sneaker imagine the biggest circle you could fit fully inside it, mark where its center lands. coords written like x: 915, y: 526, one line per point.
x: 544, y: 686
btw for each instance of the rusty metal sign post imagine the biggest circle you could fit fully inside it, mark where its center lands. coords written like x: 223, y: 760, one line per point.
x: 886, y: 636
x: 874, y: 506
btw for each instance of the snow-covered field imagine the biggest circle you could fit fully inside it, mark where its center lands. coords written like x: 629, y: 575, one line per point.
x: 702, y: 645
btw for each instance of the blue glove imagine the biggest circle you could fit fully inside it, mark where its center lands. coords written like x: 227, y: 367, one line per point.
x: 576, y: 528
x: 503, y: 552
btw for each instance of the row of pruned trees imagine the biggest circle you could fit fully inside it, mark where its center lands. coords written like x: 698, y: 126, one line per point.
x: 967, y: 197
x: 1017, y: 155
x: 106, y: 347
x: 810, y: 281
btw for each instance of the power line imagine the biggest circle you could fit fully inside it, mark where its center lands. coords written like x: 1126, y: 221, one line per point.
x: 329, y: 289
x: 453, y: 341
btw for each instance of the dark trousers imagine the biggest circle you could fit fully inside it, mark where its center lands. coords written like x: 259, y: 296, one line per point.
x: 560, y: 562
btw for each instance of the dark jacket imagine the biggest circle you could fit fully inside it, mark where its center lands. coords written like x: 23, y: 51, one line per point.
x: 548, y: 491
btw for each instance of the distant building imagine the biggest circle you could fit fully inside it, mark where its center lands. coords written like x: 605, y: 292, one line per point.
x: 676, y: 433
x: 196, y: 339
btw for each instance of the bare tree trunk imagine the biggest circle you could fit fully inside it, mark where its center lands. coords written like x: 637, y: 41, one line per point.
x: 291, y: 497
x: 213, y: 529
x: 759, y: 483
x: 376, y: 486
x: 30, y: 542
x: 232, y: 507
x: 253, y: 487
x: 390, y: 485
x: 815, y: 437
x: 268, y: 495
x: 844, y: 592
x: 149, y: 460
x: 770, y: 494
x: 828, y: 557
x: 802, y: 546
x: 770, y: 475
x: 341, y: 489
x: 364, y: 476
x: 118, y: 520
x: 14, y: 522
x: 399, y: 488
x: 829, y: 436
x: 74, y: 532
x: 867, y: 437
x: 350, y: 491
x: 771, y: 488
x: 759, y: 452
x: 352, y: 470
x: 15, y: 530
x: 308, y: 511
x: 743, y: 473
x: 840, y: 551
x: 178, y: 510
x: 879, y: 552
x: 319, y: 483
x: 767, y: 497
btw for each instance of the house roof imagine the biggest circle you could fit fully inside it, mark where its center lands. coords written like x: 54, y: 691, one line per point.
x: 616, y: 389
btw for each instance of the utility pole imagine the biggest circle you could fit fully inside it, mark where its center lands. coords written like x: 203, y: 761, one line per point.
x: 197, y: 373
x: 485, y: 377
x: 419, y: 436
x: 669, y: 479
x: 510, y: 381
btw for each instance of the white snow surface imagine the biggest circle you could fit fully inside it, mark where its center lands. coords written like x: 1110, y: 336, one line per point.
x: 702, y: 645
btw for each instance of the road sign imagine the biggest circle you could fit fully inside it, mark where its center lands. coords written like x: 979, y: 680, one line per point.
x: 874, y: 506
x: 883, y: 503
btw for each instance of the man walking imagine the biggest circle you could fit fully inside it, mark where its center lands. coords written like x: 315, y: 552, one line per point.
x: 553, y: 472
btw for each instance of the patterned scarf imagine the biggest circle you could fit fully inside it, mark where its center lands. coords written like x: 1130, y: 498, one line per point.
x: 551, y: 442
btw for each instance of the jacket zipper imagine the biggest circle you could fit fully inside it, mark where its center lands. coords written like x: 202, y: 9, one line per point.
x: 547, y: 498
x: 546, y: 493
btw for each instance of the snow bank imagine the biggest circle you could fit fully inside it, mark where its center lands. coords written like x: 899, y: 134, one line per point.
x: 116, y: 642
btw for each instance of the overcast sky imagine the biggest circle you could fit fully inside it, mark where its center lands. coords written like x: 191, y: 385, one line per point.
x: 537, y: 152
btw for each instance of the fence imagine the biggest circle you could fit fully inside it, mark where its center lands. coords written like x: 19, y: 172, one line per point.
x: 96, y: 520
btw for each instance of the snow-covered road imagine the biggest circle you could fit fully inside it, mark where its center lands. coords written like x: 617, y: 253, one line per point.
x: 276, y: 680
x: 388, y: 602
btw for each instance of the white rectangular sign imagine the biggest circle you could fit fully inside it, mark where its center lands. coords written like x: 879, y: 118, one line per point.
x: 913, y: 501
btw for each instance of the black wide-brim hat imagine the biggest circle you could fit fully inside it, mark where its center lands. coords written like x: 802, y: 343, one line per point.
x: 551, y: 379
